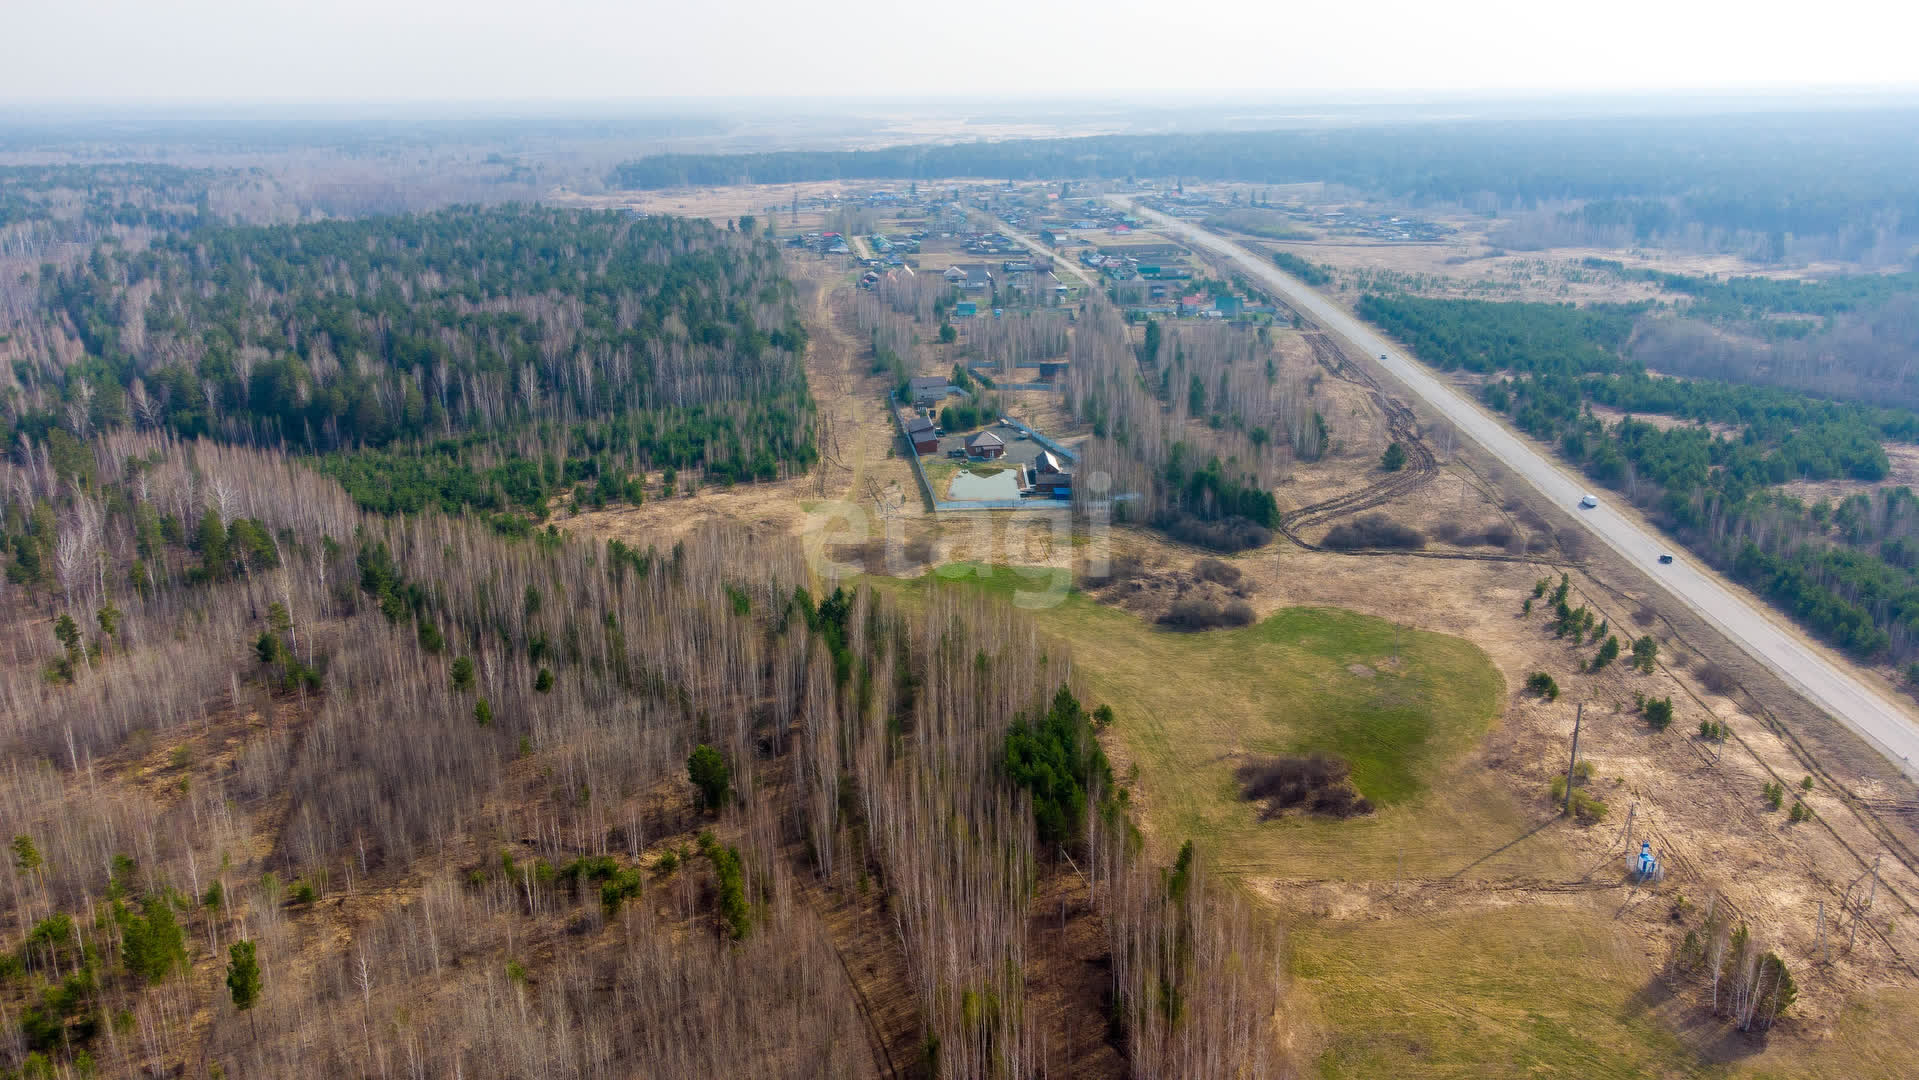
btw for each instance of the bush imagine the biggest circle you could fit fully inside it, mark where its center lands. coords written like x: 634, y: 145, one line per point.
x: 1498, y: 534
x: 1645, y: 652
x: 1374, y: 531
x: 1713, y: 730
x: 1774, y: 794
x: 1226, y: 534
x: 1394, y: 459
x: 1586, y: 807
x: 1119, y: 568
x: 1318, y: 784
x: 1800, y: 812
x: 1192, y: 613
x: 1543, y: 684
x: 1659, y: 713
x: 1716, y: 678
x: 616, y: 890
x: 1217, y: 572
x: 1607, y: 653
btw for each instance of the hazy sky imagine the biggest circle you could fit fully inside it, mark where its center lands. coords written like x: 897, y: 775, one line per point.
x: 496, y: 50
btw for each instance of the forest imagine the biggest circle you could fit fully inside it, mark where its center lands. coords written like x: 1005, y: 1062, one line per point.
x: 471, y: 341
x: 1717, y: 491
x: 643, y: 803
x: 1196, y: 419
x: 136, y: 193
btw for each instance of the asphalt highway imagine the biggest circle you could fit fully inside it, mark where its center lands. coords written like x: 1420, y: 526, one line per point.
x: 1824, y: 679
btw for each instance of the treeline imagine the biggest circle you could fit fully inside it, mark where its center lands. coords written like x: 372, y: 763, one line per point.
x: 1852, y: 582
x: 451, y: 337
x: 1309, y: 272
x: 1484, y: 336
x: 508, y: 883
x: 1196, y: 420
x: 122, y: 193
x: 1748, y: 298
x: 1800, y: 174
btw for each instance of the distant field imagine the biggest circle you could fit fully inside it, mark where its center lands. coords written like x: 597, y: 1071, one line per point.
x: 1269, y: 224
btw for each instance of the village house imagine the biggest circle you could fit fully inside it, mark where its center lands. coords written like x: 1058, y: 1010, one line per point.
x: 972, y: 277
x: 927, y: 389
x: 984, y: 445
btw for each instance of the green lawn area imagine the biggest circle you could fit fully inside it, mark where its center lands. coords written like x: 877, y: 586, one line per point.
x: 1189, y: 708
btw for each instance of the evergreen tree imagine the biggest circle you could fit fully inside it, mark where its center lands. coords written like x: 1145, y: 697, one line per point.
x: 709, y: 773
x: 243, y: 975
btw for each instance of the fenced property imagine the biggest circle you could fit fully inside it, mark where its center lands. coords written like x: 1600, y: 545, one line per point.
x: 941, y: 505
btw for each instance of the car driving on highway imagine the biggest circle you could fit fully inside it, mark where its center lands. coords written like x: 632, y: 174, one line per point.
x: 1587, y: 502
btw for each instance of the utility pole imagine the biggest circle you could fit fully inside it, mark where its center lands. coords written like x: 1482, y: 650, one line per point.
x: 1824, y: 952
x: 1873, y: 893
x: 1577, y: 716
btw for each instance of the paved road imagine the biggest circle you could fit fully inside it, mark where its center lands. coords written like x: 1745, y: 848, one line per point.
x: 1825, y: 679
x: 1032, y: 244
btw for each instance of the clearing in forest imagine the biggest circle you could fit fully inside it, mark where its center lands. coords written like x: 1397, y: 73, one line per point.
x: 1402, y: 707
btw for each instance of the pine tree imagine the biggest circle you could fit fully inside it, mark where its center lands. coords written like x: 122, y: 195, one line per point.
x: 243, y: 976
x: 708, y: 771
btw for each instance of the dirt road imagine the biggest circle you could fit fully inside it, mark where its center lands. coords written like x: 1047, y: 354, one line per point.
x: 1827, y: 680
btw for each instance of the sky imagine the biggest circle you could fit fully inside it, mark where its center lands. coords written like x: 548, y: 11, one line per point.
x: 349, y: 51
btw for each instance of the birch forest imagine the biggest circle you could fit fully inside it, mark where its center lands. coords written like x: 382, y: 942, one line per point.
x: 324, y: 756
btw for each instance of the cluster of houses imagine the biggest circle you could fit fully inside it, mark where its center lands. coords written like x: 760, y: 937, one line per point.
x: 1156, y: 262
x: 826, y: 243
x: 901, y: 244
x: 1164, y: 300
x: 1032, y: 277
x: 989, y: 243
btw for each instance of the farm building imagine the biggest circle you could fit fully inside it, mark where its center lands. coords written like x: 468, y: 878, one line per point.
x: 1055, y: 484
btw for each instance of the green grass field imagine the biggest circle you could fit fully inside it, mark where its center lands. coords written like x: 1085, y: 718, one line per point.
x: 1190, y: 708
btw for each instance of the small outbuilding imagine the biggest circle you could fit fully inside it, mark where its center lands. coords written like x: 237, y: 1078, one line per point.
x: 920, y: 432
